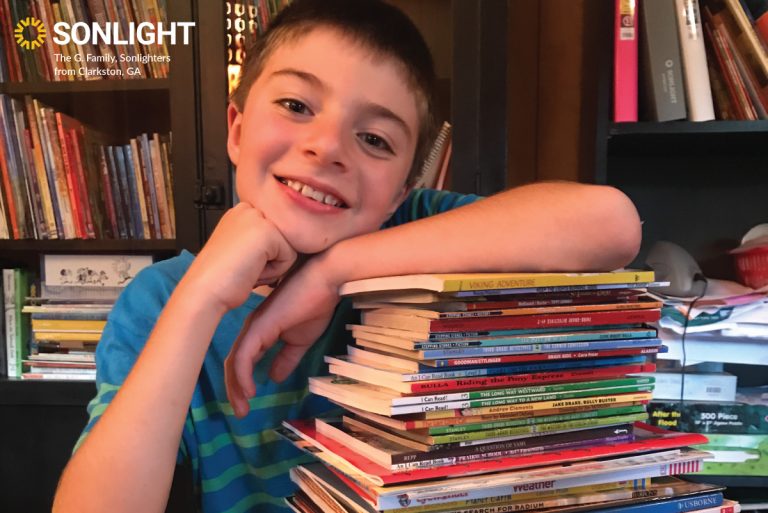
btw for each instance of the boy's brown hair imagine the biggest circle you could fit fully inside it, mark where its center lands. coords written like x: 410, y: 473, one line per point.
x: 372, y: 24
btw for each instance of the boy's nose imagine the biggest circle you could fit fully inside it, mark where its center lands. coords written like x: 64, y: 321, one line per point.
x: 324, y: 143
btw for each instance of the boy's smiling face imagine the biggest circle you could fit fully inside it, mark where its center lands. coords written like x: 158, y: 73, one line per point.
x: 325, y: 140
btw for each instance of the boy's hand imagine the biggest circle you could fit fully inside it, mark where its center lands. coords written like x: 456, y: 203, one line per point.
x: 244, y: 251
x: 297, y: 312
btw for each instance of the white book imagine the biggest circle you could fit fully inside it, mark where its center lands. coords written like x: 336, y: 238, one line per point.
x: 698, y: 92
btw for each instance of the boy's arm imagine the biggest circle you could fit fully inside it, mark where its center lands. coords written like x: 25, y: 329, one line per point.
x: 126, y: 462
x: 548, y: 226
x: 552, y: 226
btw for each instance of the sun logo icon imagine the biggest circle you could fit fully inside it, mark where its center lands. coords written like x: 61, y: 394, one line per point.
x: 26, y: 28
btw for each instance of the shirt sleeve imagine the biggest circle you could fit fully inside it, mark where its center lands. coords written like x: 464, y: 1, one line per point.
x: 128, y: 327
x: 422, y: 203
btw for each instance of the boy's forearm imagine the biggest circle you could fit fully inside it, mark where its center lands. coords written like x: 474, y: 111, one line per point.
x: 554, y: 226
x: 127, y: 461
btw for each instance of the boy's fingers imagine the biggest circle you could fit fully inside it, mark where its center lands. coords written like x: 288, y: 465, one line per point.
x: 286, y: 361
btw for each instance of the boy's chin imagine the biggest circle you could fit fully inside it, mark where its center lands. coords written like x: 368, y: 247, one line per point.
x: 309, y: 244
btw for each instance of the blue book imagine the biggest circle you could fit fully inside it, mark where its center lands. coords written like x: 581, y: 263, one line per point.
x: 594, y: 345
x: 131, y: 201
x: 524, y: 368
x: 125, y: 162
x: 676, y: 505
x: 118, y: 194
x: 540, y: 339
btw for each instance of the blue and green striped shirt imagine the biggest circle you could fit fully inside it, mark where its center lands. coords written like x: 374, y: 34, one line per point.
x: 239, y: 465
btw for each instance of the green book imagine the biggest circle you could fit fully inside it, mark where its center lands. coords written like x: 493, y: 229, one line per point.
x: 547, y: 419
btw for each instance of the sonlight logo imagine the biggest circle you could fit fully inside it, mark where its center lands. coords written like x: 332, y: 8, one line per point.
x: 144, y: 33
x: 24, y: 31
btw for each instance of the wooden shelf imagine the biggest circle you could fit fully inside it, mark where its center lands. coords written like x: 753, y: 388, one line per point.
x: 89, y: 246
x: 672, y: 128
x: 85, y: 86
x: 46, y: 393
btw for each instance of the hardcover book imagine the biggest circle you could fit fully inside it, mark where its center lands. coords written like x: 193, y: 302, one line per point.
x: 661, y: 62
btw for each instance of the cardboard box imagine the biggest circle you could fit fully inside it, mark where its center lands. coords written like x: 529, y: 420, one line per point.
x: 709, y: 417
x: 736, y: 455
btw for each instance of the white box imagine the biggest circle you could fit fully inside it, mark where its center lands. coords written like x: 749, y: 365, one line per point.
x: 719, y: 386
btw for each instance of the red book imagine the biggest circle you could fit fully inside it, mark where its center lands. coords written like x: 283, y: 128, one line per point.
x: 10, y: 204
x: 655, y: 440
x: 511, y: 322
x: 487, y: 382
x: 625, y: 41
x: 76, y: 135
x: 63, y: 124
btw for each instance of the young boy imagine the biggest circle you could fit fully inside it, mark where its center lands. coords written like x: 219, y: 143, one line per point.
x: 327, y: 128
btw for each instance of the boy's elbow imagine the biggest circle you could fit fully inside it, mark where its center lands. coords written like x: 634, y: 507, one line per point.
x: 624, y: 233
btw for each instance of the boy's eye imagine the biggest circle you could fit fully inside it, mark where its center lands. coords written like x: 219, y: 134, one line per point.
x: 294, y: 106
x: 376, y: 142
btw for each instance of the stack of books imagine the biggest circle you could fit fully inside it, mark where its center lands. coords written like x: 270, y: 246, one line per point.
x: 77, y: 292
x: 497, y: 391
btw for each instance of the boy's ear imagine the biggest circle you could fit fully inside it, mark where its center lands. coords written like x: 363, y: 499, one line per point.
x: 234, y: 124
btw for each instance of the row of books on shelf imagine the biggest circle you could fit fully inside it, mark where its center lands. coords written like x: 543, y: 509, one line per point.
x: 690, y: 59
x: 111, y: 56
x: 52, y: 326
x: 497, y: 393
x: 60, y: 181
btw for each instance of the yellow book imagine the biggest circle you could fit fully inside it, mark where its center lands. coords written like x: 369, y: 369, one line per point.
x: 467, y: 282
x: 68, y: 325
x: 64, y: 336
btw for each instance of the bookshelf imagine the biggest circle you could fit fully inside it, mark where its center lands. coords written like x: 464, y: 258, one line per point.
x: 42, y: 419
x: 699, y: 184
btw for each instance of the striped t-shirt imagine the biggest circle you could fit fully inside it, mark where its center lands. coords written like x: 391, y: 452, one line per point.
x: 239, y: 465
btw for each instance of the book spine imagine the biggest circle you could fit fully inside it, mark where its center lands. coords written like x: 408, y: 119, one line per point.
x: 62, y: 376
x: 676, y: 505
x: 132, y: 161
x: 405, y: 405
x: 556, y: 418
x: 740, y: 95
x: 559, y: 403
x: 625, y: 47
x: 483, y: 436
x: 119, y: 195
x: 77, y: 137
x: 10, y: 200
x: 391, y: 500
x: 595, y: 345
x: 524, y: 379
x: 429, y: 373
x: 698, y: 92
x: 9, y: 300
x: 69, y: 174
x: 491, y: 360
x: 662, y: 64
x: 60, y: 179
x: 146, y: 166
x: 39, y: 165
x: 129, y: 183
x: 162, y: 197
x: 110, y: 205
x: 583, y: 336
x: 165, y: 160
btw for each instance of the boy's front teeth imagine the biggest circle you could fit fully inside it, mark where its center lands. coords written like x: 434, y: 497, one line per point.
x: 309, y: 192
